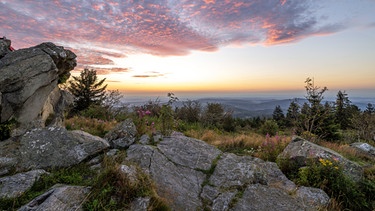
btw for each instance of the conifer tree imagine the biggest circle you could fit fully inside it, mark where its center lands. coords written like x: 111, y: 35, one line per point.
x: 87, y: 89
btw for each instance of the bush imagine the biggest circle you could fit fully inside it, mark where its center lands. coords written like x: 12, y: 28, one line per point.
x: 328, y: 176
x: 269, y: 127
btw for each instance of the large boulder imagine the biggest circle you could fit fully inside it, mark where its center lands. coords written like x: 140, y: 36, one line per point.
x: 193, y: 175
x: 28, y: 82
x: 59, y: 197
x: 51, y: 147
x: 301, y: 152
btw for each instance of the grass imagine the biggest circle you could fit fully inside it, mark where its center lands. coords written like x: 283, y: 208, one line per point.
x: 245, y: 143
x: 114, y: 190
x: 93, y: 126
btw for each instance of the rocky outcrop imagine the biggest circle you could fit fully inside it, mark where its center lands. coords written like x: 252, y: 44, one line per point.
x: 123, y: 135
x: 52, y: 147
x: 193, y: 175
x: 59, y: 197
x: 301, y: 151
x: 28, y: 82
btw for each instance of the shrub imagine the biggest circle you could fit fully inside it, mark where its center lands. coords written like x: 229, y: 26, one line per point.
x: 269, y: 127
x: 328, y: 176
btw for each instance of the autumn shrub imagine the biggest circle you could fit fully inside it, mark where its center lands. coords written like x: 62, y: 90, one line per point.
x: 271, y: 147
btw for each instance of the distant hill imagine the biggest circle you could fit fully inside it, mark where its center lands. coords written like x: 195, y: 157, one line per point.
x: 247, y: 107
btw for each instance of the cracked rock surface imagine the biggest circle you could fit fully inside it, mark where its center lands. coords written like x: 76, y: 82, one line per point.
x: 193, y: 175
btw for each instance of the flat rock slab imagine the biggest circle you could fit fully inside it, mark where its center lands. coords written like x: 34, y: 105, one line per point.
x: 15, y: 185
x: 52, y: 147
x: 59, y: 197
x: 193, y: 175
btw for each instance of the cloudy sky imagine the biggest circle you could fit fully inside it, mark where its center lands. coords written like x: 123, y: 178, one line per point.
x: 206, y: 45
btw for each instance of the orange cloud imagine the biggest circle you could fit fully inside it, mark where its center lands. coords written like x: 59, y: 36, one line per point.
x: 157, y: 27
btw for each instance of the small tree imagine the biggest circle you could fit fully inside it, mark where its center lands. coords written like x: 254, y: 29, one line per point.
x: 278, y: 116
x: 292, y: 114
x: 87, y: 90
x: 343, y: 110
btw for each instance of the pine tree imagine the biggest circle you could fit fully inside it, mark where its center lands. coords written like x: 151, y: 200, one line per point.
x: 87, y: 90
x: 278, y: 115
x: 292, y: 114
x: 343, y: 113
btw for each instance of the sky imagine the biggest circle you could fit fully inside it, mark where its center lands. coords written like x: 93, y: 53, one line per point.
x: 207, y: 46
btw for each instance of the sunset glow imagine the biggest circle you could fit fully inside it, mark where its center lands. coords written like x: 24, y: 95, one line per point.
x: 206, y: 46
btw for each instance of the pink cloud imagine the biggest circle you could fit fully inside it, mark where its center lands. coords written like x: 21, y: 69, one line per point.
x: 160, y: 27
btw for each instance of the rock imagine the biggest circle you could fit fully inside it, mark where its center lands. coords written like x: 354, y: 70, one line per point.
x: 176, y: 167
x: 52, y: 147
x: 28, y: 83
x: 312, y: 196
x: 301, y: 151
x: 140, y: 204
x: 184, y: 172
x: 15, y: 185
x: 365, y: 148
x: 130, y: 172
x: 188, y: 152
x: 59, y: 197
x: 4, y: 47
x: 123, y: 135
x: 145, y: 139
x: 262, y: 197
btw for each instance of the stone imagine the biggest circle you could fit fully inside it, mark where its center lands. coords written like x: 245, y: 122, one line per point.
x: 140, y: 204
x: 15, y: 185
x: 313, y: 197
x: 145, y: 139
x: 52, y: 147
x: 188, y: 152
x: 262, y: 197
x: 301, y: 151
x: 185, y: 174
x: 29, y: 83
x: 59, y: 197
x: 365, y: 148
x: 4, y: 46
x: 123, y: 135
x: 130, y: 172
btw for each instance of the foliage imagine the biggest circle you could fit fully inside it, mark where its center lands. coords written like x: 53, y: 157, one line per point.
x: 364, y: 123
x: 328, y: 176
x: 278, y: 116
x: 6, y: 128
x: 269, y: 127
x: 189, y: 112
x: 87, y: 90
x: 167, y: 119
x: 213, y: 114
